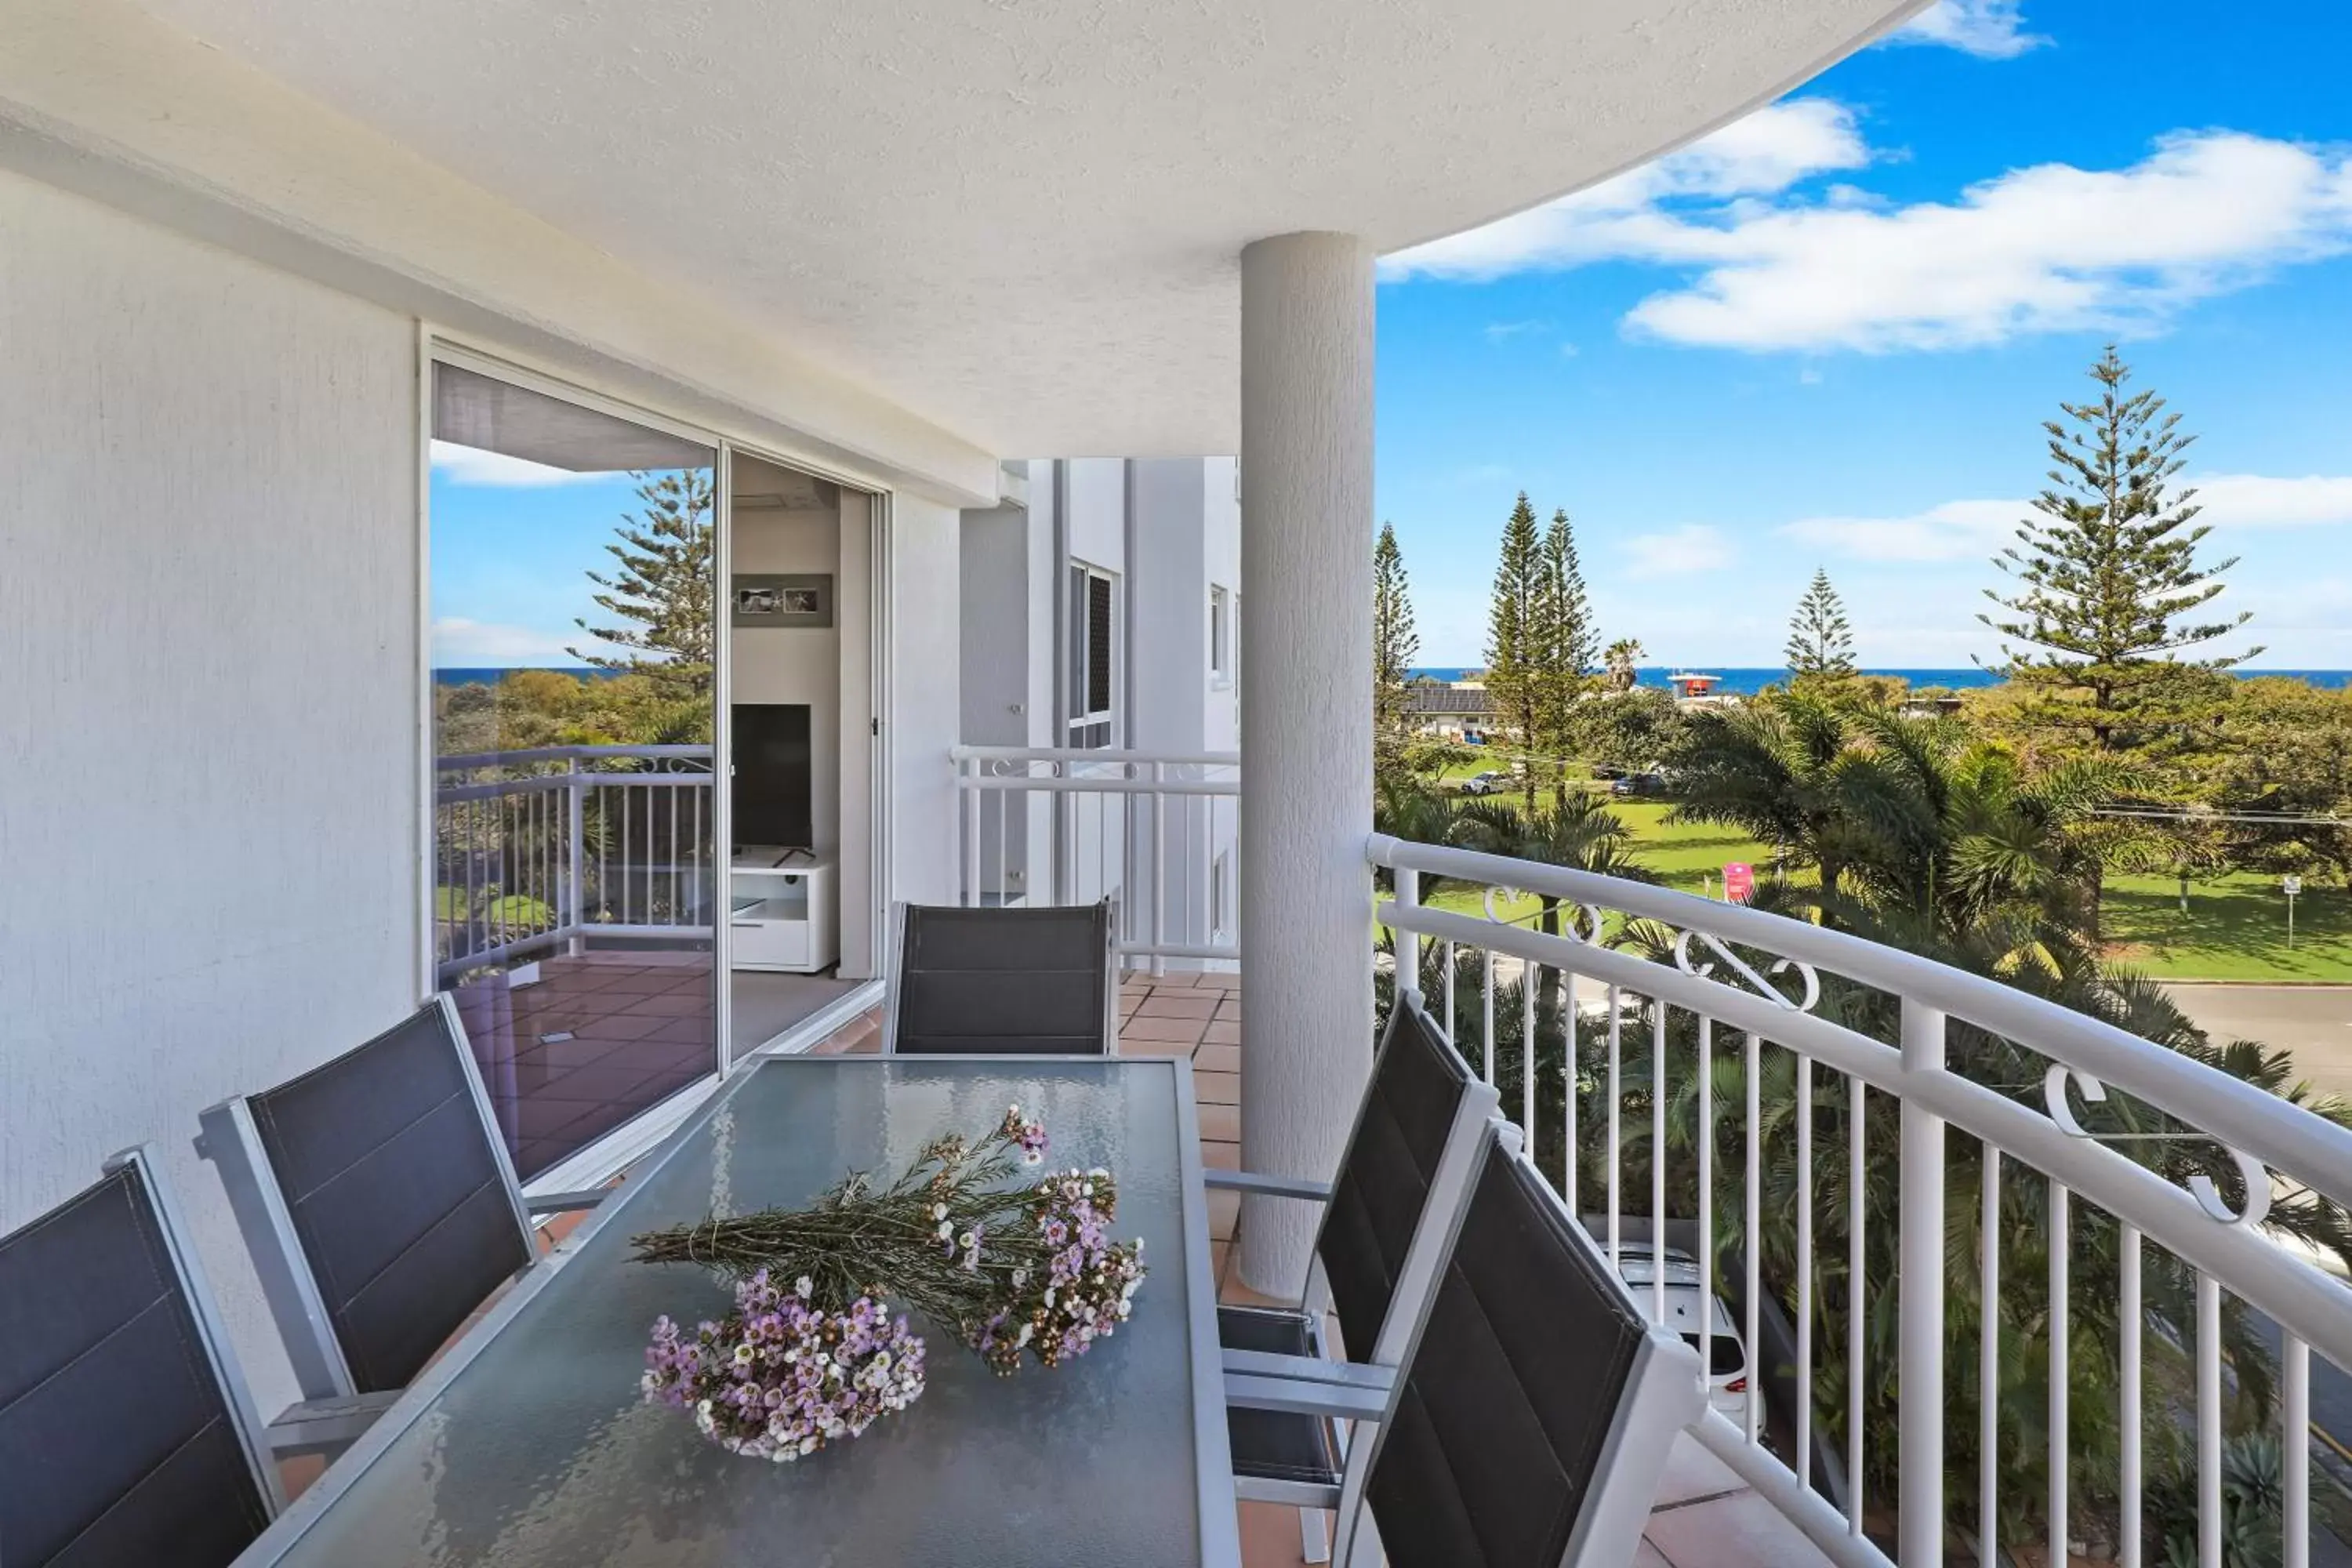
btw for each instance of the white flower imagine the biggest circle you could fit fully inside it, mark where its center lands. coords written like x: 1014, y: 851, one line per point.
x: 803, y: 1286
x: 1090, y: 1189
x: 1049, y: 1295
x: 1013, y: 1109
x: 1020, y: 1278
x: 939, y: 1211
x: 1027, y: 1332
x: 947, y: 1229
x: 967, y: 1241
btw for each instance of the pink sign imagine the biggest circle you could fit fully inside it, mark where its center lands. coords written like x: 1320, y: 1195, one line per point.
x: 1739, y: 882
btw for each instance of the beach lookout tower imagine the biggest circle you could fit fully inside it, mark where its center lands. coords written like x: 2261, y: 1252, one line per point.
x: 1690, y: 687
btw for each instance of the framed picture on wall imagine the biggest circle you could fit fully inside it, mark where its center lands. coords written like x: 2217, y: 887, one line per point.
x: 783, y: 599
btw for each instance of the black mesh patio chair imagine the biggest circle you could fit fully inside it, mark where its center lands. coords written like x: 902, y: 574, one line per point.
x: 126, y: 1433
x: 381, y: 1208
x: 1535, y: 1409
x: 1402, y: 1179
x: 1003, y: 982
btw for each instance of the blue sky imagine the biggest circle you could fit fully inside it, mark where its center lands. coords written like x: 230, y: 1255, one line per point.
x: 511, y: 543
x: 1829, y: 334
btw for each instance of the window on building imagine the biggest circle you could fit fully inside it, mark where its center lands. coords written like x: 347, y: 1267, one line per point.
x: 1090, y: 672
x: 1220, y: 635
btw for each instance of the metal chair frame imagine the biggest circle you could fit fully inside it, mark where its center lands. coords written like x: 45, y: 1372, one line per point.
x: 1475, y: 1121
x: 332, y: 1411
x: 898, y: 967
x: 1661, y: 1399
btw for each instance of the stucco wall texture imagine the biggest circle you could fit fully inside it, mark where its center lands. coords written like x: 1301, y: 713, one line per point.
x: 208, y: 653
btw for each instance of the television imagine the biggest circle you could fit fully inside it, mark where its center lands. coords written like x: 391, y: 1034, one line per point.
x: 772, y: 774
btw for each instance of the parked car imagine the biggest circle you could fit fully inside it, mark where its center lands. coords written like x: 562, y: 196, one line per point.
x: 1686, y: 1299
x: 1637, y: 783
x: 1491, y: 782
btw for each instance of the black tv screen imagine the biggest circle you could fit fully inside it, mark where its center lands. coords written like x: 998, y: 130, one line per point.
x: 772, y: 771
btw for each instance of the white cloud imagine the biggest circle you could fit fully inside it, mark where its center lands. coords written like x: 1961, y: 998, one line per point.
x: 1989, y: 29
x: 1761, y: 155
x: 2257, y: 500
x: 2047, y: 248
x: 474, y: 466
x: 1973, y: 530
x: 1954, y: 531
x: 1676, y: 552
x: 458, y: 643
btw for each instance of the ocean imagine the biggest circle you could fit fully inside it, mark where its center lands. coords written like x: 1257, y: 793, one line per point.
x: 1745, y: 682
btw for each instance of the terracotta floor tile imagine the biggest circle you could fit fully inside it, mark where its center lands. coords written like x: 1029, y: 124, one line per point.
x: 1185, y: 1005
x: 1216, y: 1088
x: 1143, y: 1026
x: 1216, y: 1056
x: 1225, y: 1216
x: 1229, y: 1033
x: 1220, y: 1123
x: 1221, y: 1156
x: 1270, y: 1536
x: 1174, y: 981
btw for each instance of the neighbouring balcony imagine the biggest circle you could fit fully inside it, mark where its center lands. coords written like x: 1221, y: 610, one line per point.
x: 1997, y: 1271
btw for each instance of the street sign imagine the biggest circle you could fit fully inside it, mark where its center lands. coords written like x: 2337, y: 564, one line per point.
x: 1739, y: 882
x: 2292, y: 884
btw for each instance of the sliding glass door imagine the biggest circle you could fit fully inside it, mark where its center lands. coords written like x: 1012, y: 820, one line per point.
x: 575, y: 885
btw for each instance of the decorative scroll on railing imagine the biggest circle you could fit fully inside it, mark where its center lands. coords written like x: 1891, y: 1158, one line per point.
x: 551, y: 848
x: 1156, y: 831
x: 1790, y: 1108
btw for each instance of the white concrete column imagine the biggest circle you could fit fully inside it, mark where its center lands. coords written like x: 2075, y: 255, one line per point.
x: 1307, y: 724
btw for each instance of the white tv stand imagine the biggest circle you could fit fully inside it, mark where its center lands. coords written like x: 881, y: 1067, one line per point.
x: 780, y: 910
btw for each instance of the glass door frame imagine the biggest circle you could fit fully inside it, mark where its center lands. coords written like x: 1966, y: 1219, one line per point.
x: 608, y: 1152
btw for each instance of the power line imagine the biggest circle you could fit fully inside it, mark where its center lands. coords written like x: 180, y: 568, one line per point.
x: 2277, y: 818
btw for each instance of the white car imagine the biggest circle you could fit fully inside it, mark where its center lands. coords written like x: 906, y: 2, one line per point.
x: 1488, y: 783
x: 1726, y: 1375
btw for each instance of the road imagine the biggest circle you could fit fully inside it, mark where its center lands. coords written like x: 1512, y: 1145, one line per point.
x: 2315, y: 1022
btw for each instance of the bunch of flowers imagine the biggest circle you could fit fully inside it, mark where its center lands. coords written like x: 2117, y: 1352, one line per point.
x: 1013, y: 1269
x: 1087, y: 1285
x: 778, y: 1378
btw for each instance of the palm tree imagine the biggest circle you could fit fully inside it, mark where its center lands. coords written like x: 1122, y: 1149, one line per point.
x: 1624, y: 655
x: 1797, y: 773
x: 1957, y: 851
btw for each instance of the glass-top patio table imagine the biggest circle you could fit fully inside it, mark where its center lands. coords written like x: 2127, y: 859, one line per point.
x: 527, y: 1446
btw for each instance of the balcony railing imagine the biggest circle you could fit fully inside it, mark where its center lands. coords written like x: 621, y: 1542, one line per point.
x: 1852, y: 1138
x: 1157, y: 831
x: 558, y: 847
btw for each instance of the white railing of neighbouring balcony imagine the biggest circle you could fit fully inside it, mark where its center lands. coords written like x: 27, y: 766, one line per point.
x: 558, y: 847
x: 1157, y: 831
x: 1873, y: 1118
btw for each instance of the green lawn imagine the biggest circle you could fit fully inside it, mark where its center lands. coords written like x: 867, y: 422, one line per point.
x: 2235, y: 927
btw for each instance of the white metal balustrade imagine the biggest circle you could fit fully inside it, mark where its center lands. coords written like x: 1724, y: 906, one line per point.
x: 1739, y: 998
x: 554, y: 847
x: 1156, y: 830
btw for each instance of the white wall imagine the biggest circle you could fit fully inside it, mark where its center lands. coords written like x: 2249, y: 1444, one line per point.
x: 1097, y: 489
x: 926, y: 697
x: 209, y: 821
x: 795, y: 664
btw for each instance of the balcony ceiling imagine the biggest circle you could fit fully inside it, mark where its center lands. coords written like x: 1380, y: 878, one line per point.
x: 1020, y: 218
